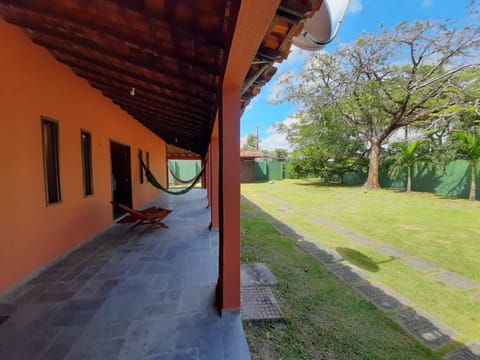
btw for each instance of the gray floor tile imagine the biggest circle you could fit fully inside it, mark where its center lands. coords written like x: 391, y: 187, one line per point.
x: 62, y: 343
x: 128, y: 295
x: 77, y: 318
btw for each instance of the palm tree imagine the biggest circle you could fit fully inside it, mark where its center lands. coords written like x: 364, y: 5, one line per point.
x: 467, y: 147
x: 405, y: 158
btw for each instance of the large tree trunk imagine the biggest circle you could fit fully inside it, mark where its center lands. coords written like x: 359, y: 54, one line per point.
x: 409, y: 179
x: 372, y: 180
x: 473, y: 187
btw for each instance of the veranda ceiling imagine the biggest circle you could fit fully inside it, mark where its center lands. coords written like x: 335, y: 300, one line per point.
x: 162, y: 61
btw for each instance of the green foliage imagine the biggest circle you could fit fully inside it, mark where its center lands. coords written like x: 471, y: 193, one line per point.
x: 361, y: 90
x: 251, y: 143
x: 405, y: 156
x: 279, y: 154
x: 467, y: 146
x: 322, y: 147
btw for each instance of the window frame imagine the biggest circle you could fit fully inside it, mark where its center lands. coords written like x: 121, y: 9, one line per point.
x: 56, y: 145
x: 147, y: 160
x: 90, y: 165
x: 140, y: 168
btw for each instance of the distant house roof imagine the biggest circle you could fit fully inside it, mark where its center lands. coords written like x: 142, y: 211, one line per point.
x: 250, y: 154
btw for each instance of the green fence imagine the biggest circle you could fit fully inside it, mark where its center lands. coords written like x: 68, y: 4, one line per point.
x: 264, y: 170
x: 454, y: 181
x: 271, y: 170
x: 183, y: 169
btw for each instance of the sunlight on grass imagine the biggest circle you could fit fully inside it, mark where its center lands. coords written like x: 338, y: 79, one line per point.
x: 324, y: 318
x: 439, y: 230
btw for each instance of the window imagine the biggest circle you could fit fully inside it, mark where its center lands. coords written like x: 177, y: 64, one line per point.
x: 140, y: 155
x: 147, y: 155
x: 50, y: 161
x: 86, y: 143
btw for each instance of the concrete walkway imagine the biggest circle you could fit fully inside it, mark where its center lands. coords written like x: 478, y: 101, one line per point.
x: 128, y: 295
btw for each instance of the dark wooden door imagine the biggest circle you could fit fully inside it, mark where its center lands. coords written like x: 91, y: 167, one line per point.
x: 121, y: 176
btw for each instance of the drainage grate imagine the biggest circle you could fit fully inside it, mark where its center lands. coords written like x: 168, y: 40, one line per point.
x: 259, y: 304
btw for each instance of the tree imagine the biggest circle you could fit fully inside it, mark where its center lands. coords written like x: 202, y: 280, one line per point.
x: 467, y: 147
x: 251, y: 143
x: 384, y: 82
x: 322, y: 147
x: 463, y: 115
x: 405, y: 158
x: 279, y: 154
x: 266, y: 154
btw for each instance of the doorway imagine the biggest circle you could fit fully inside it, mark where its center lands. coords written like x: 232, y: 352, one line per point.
x: 121, y: 177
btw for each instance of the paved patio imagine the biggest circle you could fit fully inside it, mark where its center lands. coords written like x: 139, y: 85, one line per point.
x: 128, y: 295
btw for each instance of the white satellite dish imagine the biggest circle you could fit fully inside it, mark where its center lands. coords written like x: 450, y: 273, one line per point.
x: 318, y: 30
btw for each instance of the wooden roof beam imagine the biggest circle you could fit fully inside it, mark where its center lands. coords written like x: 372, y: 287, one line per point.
x: 60, y: 18
x: 79, y: 58
x: 64, y: 42
x: 295, y: 10
x: 154, y: 107
x: 176, y: 136
x: 147, y: 98
x: 92, y: 74
x: 136, y: 82
x: 132, y: 102
x: 160, y: 121
x: 71, y: 48
x: 269, y: 54
x: 145, y: 8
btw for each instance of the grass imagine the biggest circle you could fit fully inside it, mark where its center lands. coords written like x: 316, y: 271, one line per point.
x: 324, y: 318
x: 442, y: 231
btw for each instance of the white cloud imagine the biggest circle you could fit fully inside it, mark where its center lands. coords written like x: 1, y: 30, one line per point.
x: 337, y: 6
x: 426, y: 3
x: 274, y: 89
x: 356, y: 6
x: 290, y: 120
x: 296, y: 57
x: 276, y: 140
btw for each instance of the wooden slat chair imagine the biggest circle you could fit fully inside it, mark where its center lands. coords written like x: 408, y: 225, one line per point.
x: 151, y: 215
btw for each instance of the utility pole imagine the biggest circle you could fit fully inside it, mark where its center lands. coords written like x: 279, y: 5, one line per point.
x: 257, y: 136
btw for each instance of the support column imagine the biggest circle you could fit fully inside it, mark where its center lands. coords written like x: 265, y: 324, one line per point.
x: 204, y: 176
x: 214, y: 174
x: 229, y: 199
x: 207, y: 178
x: 253, y: 21
x: 167, y: 185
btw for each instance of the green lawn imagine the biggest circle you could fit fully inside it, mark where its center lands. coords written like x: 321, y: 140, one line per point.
x: 445, y: 232
x: 324, y: 318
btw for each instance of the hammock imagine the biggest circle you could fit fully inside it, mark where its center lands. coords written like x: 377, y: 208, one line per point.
x: 178, y: 179
x: 151, y: 178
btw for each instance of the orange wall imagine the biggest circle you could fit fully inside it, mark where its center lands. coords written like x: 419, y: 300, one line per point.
x: 34, y: 84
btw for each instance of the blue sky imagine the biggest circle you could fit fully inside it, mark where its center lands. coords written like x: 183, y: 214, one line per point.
x: 363, y: 15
